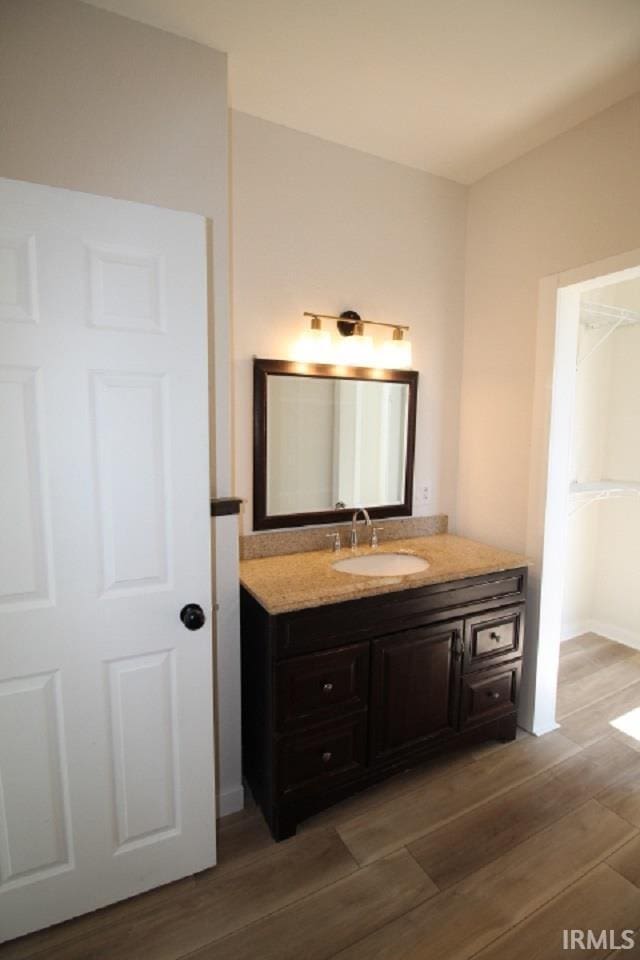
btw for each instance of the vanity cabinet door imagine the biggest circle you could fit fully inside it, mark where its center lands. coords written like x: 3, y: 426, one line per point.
x: 414, y: 687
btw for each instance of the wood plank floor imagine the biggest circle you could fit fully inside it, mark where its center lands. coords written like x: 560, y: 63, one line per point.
x: 490, y: 853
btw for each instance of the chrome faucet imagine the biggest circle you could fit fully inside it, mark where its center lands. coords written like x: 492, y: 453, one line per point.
x: 354, y: 528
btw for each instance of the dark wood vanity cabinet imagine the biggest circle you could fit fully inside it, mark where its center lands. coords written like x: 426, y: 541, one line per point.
x: 338, y: 697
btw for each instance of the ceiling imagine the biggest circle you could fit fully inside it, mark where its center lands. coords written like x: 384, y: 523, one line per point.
x: 455, y: 87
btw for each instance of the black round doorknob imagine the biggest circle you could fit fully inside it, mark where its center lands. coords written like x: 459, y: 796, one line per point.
x: 193, y: 616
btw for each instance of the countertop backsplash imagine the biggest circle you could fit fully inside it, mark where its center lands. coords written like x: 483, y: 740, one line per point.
x: 275, y: 543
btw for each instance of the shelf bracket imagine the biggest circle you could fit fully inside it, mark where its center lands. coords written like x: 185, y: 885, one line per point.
x: 598, y: 344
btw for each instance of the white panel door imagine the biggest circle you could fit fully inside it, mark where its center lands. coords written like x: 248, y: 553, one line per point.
x: 106, y: 715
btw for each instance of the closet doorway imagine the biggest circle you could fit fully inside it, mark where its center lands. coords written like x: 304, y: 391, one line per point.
x: 602, y: 581
x: 584, y: 508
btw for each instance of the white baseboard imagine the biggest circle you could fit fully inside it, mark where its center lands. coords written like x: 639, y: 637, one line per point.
x: 231, y: 801
x: 576, y: 629
x: 542, y: 730
x: 630, y: 638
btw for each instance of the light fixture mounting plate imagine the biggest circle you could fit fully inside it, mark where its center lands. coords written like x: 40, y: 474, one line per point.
x: 348, y: 322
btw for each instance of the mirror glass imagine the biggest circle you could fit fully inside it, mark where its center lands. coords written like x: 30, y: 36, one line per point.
x: 334, y: 444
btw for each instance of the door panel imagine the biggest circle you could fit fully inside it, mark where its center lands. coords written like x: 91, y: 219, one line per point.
x: 106, y: 714
x: 146, y: 806
x: 18, y: 292
x: 414, y: 687
x: 34, y: 813
x: 127, y: 289
x: 25, y: 575
x: 132, y: 478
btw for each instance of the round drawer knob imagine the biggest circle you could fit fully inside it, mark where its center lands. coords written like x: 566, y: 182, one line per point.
x: 326, y: 756
x: 494, y: 696
x: 496, y: 637
x: 327, y: 688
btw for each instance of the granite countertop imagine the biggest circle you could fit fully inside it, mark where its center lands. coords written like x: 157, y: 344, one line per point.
x: 296, y: 581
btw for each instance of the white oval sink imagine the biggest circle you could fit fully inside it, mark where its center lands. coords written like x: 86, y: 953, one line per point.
x: 382, y: 565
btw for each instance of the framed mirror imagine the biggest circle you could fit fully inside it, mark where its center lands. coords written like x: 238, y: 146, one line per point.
x: 328, y: 439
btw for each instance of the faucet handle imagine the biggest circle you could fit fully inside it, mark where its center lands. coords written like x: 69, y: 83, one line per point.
x: 374, y: 535
x: 335, y: 540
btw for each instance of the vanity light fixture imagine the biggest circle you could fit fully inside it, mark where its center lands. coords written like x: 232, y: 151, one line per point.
x: 354, y: 347
x: 396, y: 352
x: 314, y: 345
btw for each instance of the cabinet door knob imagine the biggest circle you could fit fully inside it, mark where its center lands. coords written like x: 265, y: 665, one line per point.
x: 494, y: 696
x: 326, y: 756
x: 327, y: 688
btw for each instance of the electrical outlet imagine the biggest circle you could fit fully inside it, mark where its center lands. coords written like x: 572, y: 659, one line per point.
x: 426, y: 493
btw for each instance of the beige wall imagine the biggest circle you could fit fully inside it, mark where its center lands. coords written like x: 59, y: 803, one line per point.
x: 616, y: 610
x: 95, y: 102
x: 317, y: 226
x: 572, y: 201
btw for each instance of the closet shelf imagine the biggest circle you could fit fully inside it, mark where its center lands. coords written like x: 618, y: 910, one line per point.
x: 600, y: 316
x: 583, y: 494
x: 595, y: 316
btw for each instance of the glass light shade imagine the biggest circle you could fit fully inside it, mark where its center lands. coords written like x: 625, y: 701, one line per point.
x: 313, y: 346
x: 355, y: 351
x: 395, y: 354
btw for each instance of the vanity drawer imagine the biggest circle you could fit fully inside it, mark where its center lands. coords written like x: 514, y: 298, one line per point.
x: 493, y: 637
x: 322, y: 685
x: 357, y: 620
x: 489, y: 694
x: 317, y: 758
